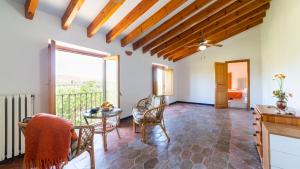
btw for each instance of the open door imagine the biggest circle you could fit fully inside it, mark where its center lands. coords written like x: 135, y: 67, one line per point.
x: 221, y: 88
x: 112, y: 86
x: 51, y: 77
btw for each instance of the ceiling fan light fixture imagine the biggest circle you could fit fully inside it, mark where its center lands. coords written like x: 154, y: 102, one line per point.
x: 202, y: 47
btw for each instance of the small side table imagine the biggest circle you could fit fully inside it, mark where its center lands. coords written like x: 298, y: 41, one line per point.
x: 104, y: 126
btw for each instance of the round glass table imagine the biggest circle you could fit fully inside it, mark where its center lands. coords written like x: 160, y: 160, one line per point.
x: 105, y: 122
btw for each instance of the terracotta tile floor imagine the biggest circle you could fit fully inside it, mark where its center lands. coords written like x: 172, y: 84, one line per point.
x: 201, y: 138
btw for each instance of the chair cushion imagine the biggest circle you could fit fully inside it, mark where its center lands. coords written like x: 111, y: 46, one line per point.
x: 156, y: 101
x: 73, y: 150
x: 73, y: 147
x: 138, y: 113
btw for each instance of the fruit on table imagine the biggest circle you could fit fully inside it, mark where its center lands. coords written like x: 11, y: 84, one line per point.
x: 106, y: 106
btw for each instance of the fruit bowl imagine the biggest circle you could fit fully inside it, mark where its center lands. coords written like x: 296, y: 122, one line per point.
x: 106, y: 106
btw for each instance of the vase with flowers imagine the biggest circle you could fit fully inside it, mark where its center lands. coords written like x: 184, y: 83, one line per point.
x: 281, y: 95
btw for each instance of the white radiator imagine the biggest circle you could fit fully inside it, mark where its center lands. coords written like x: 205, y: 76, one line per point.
x: 13, y: 108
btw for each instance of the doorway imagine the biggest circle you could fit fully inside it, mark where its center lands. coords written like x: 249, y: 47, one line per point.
x: 232, y: 84
x: 238, y: 84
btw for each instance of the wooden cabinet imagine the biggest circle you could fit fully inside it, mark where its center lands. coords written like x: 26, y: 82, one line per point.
x: 264, y: 113
x: 281, y: 145
x: 257, y: 132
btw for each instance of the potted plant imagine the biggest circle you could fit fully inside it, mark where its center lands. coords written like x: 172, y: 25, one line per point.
x: 281, y: 95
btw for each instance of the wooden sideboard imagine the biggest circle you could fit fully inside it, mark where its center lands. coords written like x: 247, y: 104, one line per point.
x: 284, y: 150
x: 264, y: 113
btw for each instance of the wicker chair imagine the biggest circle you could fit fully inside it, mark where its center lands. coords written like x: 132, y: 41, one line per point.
x: 149, y: 112
x: 85, y: 141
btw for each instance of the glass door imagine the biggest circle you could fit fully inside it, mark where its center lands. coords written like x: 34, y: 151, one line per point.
x: 112, y: 80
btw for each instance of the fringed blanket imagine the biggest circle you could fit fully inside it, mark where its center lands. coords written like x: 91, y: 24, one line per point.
x: 47, y: 142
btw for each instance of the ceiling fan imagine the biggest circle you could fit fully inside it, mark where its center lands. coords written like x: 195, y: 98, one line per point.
x: 203, y: 44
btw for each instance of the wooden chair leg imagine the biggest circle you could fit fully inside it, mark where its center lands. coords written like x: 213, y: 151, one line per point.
x: 143, y: 133
x: 118, y: 132
x: 91, y: 152
x: 134, y: 126
x: 163, y: 122
x: 165, y: 131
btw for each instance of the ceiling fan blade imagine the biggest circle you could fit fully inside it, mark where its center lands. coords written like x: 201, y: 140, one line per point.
x: 216, y: 45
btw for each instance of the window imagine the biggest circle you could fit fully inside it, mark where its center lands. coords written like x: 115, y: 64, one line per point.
x: 162, y: 80
x: 81, y: 79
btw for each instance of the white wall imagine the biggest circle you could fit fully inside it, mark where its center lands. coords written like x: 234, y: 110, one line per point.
x: 196, y: 73
x: 280, y: 40
x: 24, y: 64
x: 238, y: 75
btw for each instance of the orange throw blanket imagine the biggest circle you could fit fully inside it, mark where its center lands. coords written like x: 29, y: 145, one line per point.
x: 47, y: 142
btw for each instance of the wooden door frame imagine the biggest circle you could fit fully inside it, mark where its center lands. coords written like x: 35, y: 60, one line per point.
x: 248, y: 77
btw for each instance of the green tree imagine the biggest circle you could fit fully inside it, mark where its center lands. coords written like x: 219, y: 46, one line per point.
x: 73, y: 99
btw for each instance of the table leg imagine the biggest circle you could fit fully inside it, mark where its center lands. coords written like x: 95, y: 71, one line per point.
x: 104, y: 135
x: 118, y: 123
x: 86, y: 121
x: 118, y: 132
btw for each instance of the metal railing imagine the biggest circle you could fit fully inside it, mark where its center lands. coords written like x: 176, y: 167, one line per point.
x: 71, y: 106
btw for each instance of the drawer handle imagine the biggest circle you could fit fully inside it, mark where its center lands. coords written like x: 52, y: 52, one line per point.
x: 254, y: 135
x: 253, y: 124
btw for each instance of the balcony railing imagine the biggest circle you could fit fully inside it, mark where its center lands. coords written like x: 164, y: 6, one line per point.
x: 71, y: 106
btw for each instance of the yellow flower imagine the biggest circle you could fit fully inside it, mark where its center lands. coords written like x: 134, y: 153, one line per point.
x: 279, y: 76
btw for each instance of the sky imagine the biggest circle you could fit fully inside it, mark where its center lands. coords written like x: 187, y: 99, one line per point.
x: 76, y: 65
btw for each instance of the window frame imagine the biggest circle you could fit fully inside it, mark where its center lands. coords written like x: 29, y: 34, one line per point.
x: 53, y: 46
x: 155, y: 67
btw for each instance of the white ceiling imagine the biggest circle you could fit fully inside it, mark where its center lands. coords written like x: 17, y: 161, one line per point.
x: 91, y: 8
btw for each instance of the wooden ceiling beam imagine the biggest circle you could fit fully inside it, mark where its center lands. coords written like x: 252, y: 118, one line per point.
x: 244, y: 13
x: 224, y: 36
x: 132, y: 16
x: 216, y: 38
x: 110, y: 8
x: 184, y: 52
x: 198, y: 17
x: 151, y: 21
x: 70, y: 13
x: 231, y: 11
x: 30, y: 7
x: 177, y: 50
x: 183, y: 14
x: 170, y: 55
x: 207, y: 31
x: 230, y: 28
x: 187, y: 53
